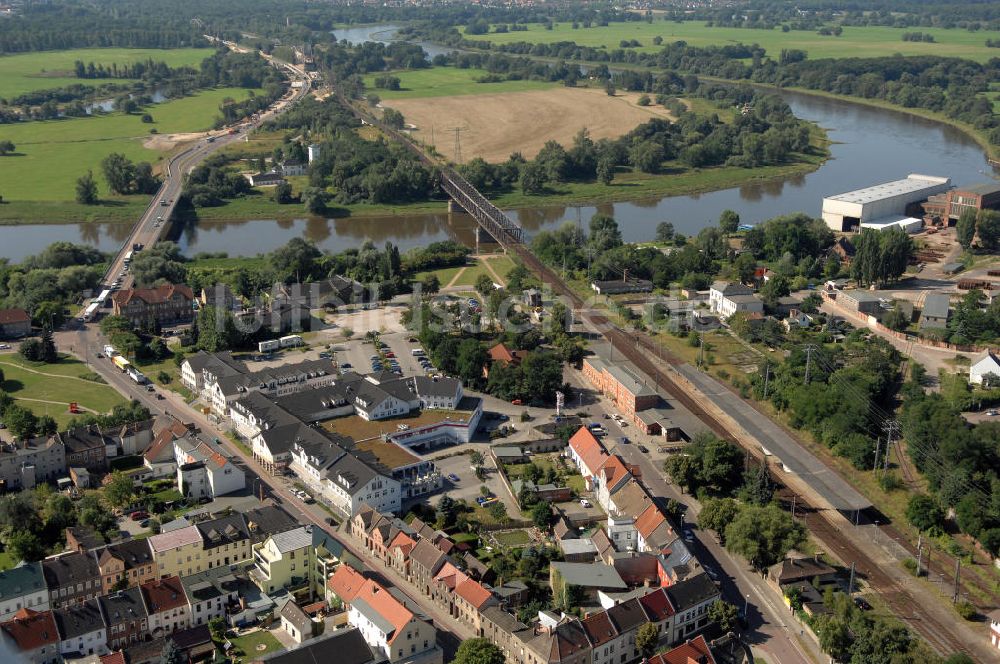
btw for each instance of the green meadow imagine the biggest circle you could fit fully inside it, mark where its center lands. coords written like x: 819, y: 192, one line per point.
x: 448, y: 82
x: 854, y: 42
x: 27, y: 72
x: 51, y: 155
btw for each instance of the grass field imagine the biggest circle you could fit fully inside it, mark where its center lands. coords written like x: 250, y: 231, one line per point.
x: 47, y: 389
x: 52, y: 69
x: 52, y: 155
x: 446, y: 82
x: 512, y: 538
x: 248, y: 643
x: 854, y: 42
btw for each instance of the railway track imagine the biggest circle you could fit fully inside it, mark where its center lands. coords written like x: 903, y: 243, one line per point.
x: 639, y: 349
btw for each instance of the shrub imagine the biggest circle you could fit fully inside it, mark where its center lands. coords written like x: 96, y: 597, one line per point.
x: 967, y: 610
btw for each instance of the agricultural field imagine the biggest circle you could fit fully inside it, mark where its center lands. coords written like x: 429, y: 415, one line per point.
x: 495, y: 125
x: 51, y: 155
x: 446, y: 82
x: 865, y: 41
x: 27, y: 72
x: 47, y: 389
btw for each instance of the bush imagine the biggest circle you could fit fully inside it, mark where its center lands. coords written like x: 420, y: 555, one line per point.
x: 967, y: 610
x: 910, y: 565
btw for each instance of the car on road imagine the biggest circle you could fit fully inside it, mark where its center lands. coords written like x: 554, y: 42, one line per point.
x: 712, y: 574
x: 150, y: 388
x: 643, y: 449
x: 144, y: 523
x: 624, y: 440
x: 159, y: 397
x: 688, y: 536
x: 139, y: 515
x: 990, y: 413
x: 585, y: 503
x: 453, y: 477
x: 346, y: 365
x: 516, y: 402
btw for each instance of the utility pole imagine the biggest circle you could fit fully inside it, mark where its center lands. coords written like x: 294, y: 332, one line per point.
x: 767, y: 377
x: 920, y: 551
x: 850, y: 584
x: 702, y: 344
x: 958, y: 574
x: 458, y: 144
x: 793, y: 505
x: 809, y: 351
x: 889, y: 427
x: 878, y: 446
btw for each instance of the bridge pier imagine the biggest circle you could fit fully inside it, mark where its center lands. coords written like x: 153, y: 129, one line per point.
x: 454, y: 206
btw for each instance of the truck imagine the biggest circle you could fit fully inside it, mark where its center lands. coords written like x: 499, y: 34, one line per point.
x: 121, y: 362
x: 290, y: 341
x: 136, y: 375
x: 128, y: 257
x: 109, y: 351
x: 267, y: 346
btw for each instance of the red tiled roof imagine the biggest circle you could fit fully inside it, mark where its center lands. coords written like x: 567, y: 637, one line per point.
x: 500, y: 353
x: 8, y: 316
x: 649, y: 520
x: 31, y: 629
x: 657, y: 605
x: 473, y: 593
x: 451, y: 575
x: 346, y: 582
x: 599, y: 628
x: 387, y: 606
x: 403, y: 541
x: 614, y: 470
x: 156, y: 295
x: 114, y: 658
x: 695, y: 651
x: 163, y: 594
x: 588, y: 448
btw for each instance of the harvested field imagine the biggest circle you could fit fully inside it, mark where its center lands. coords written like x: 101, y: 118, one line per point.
x: 495, y: 125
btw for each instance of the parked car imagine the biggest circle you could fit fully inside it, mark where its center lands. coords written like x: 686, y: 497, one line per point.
x: 584, y: 502
x: 453, y: 477
x: 624, y: 440
x: 643, y: 449
x: 139, y: 515
x: 516, y: 402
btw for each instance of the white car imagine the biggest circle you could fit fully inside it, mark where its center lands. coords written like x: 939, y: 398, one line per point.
x: 584, y: 502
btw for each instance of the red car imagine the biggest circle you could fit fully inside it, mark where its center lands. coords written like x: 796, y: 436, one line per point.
x: 516, y: 402
x: 139, y: 516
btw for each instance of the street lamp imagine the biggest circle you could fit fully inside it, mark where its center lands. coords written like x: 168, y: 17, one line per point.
x: 746, y: 606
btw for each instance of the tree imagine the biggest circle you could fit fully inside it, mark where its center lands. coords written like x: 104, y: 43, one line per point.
x: 729, y: 221
x: 775, y: 288
x: 171, y: 654
x: 647, y: 637
x: 315, y: 199
x: 759, y: 487
x: 47, y: 346
x: 6, y: 147
x: 393, y: 118
x: 763, y: 535
x: 282, y: 193
x: 724, y: 614
x: 21, y: 422
x: 717, y: 513
x: 86, y: 189
x: 924, y: 512
x: 119, y: 171
x: 484, y: 284
x: 120, y: 491
x: 478, y: 651
x: 664, y: 231
x: 25, y: 545
x: 533, y: 178
x: 989, y: 230
x: 430, y: 284
x: 605, y: 169
x: 541, y: 514
x: 965, y: 228
x: 446, y: 512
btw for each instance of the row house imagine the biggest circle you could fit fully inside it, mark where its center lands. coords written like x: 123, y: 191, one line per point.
x: 225, y: 540
x: 209, y: 594
x: 86, y: 447
x: 385, y: 621
x: 343, y: 478
x: 72, y: 578
x: 24, y: 463
x: 284, y: 561
x: 33, y: 634
x: 126, y: 564
x: 82, y: 630
x: 125, y: 617
x: 166, y: 605
x: 178, y: 552
x: 22, y: 587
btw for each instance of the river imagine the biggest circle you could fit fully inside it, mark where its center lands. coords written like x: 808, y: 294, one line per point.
x: 870, y: 145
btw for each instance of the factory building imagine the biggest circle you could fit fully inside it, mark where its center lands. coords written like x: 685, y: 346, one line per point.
x: 882, y: 205
x: 949, y: 206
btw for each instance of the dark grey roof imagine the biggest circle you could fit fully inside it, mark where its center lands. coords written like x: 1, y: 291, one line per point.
x: 439, y: 387
x: 983, y: 188
x: 691, y: 592
x: 295, y: 615
x: 350, y: 473
x: 22, y: 580
x: 216, y: 363
x: 591, y: 575
x: 627, y: 615
x: 224, y: 530
x: 134, y: 552
x: 348, y: 644
x: 70, y: 569
x: 82, y: 439
x: 79, y: 619
x: 209, y: 584
x: 428, y: 556
x: 630, y: 286
x: 263, y: 522
x: 936, y: 305
x: 122, y: 606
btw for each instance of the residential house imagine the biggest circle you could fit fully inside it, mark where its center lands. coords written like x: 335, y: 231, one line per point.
x: 125, y: 616
x: 202, y: 472
x: 33, y: 635
x: 624, y: 387
x: 936, y: 311
x: 71, y: 578
x: 426, y: 560
x: 795, y: 570
x: 24, y: 463
x: 135, y: 437
x: 532, y: 297
x: 284, y: 561
x: 566, y: 642
x: 860, y: 301
x: 343, y: 478
x: 154, y: 307
x: 262, y: 522
x: 81, y: 630
x: 694, y: 651
x: 348, y: 644
x: 985, y: 369
x: 267, y: 179
x: 209, y: 594
x: 219, y: 296
x: 609, y: 478
x: 388, y: 625
x: 126, y: 564
x: 195, y: 368
x: 292, y: 167
x: 14, y: 323
x: 167, y: 606
x: 83, y: 539
x: 86, y: 447
x: 296, y: 623
x: 226, y: 541
x: 587, y: 453
x: 691, y: 599
x: 721, y: 294
x: 178, y: 552
x: 22, y: 587
x: 500, y: 355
